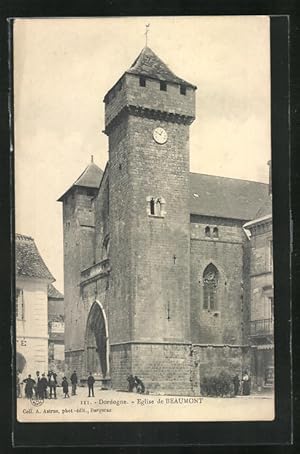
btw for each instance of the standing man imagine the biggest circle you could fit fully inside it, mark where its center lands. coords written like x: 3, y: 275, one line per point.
x: 52, y: 382
x: 65, y: 387
x: 90, y: 382
x: 29, y: 386
x: 43, y: 387
x: 37, y: 386
x: 74, y: 381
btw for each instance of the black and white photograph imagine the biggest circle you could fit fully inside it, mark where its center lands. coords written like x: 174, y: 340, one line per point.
x: 143, y: 218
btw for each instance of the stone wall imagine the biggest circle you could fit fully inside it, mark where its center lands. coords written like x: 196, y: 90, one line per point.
x: 150, y: 97
x: 101, y: 204
x: 163, y: 368
x: 79, y: 224
x: 226, y: 253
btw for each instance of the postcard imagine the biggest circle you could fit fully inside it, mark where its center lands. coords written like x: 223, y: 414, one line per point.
x: 143, y: 210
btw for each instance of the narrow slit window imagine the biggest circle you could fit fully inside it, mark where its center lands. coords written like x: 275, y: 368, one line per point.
x: 163, y: 86
x: 152, y: 206
x: 210, y: 285
x: 142, y: 81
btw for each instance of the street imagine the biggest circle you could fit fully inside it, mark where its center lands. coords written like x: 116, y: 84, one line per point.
x: 123, y: 406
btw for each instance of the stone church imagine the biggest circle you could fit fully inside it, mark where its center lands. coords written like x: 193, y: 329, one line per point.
x: 160, y: 269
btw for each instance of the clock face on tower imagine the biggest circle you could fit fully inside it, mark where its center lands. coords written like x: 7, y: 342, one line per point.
x: 160, y: 135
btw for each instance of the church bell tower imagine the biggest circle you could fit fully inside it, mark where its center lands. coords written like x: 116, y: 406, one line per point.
x: 147, y: 117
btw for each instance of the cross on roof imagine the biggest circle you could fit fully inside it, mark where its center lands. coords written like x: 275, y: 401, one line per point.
x: 146, y: 33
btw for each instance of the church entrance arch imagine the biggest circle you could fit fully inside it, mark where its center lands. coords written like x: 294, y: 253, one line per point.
x: 97, y: 345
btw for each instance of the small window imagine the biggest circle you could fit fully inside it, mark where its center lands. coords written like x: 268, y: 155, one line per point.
x: 152, y: 207
x: 210, y: 285
x: 142, y: 81
x: 182, y: 89
x: 207, y: 231
x: 215, y: 232
x: 19, y: 304
x: 163, y: 86
x: 156, y: 206
x: 90, y: 192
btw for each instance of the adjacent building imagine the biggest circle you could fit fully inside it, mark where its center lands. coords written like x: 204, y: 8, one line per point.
x: 261, y: 333
x: 32, y: 281
x: 56, y: 328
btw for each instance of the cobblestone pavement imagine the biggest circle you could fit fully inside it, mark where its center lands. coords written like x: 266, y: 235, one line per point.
x: 123, y: 406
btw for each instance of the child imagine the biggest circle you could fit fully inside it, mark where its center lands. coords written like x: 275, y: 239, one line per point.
x: 65, y: 387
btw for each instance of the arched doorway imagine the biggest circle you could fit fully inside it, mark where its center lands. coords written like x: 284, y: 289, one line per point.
x: 97, y: 346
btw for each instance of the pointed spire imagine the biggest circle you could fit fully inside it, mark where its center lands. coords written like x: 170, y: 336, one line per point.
x: 149, y: 64
x: 90, y: 178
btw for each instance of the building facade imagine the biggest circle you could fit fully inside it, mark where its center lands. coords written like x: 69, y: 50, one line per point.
x: 156, y: 258
x: 261, y: 335
x: 32, y: 280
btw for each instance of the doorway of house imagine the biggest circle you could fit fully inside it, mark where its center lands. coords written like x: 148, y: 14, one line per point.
x: 97, y: 341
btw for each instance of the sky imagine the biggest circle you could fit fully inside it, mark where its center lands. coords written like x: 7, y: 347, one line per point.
x: 64, y: 67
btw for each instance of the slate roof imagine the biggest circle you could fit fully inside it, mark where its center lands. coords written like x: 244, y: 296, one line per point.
x: 149, y: 64
x: 210, y: 195
x: 53, y: 293
x: 265, y: 209
x: 29, y: 262
x: 90, y: 178
x: 225, y: 197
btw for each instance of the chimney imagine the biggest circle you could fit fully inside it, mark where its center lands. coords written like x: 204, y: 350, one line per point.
x: 270, y: 176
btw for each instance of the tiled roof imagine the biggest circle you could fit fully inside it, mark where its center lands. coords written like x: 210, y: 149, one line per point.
x: 53, y: 293
x: 225, y: 197
x: 265, y: 209
x: 29, y: 262
x: 90, y: 178
x: 149, y: 64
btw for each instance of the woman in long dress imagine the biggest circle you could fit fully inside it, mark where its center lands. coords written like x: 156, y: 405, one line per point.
x: 246, y: 384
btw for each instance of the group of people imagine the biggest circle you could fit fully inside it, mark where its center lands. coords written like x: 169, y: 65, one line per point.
x: 38, y: 387
x: 242, y: 386
x: 135, y: 384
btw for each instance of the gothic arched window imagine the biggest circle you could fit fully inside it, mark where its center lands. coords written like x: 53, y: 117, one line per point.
x: 207, y: 231
x: 210, y: 285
